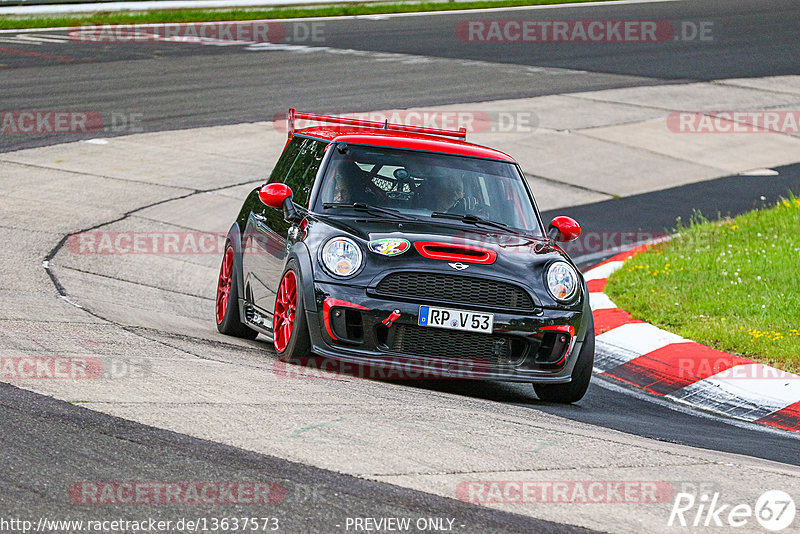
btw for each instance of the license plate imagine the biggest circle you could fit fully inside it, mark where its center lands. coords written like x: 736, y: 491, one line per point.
x: 456, y: 319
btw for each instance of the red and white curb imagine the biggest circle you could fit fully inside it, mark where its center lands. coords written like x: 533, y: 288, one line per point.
x: 667, y: 365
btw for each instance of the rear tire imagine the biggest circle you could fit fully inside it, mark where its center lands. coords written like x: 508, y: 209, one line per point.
x: 289, y: 326
x: 574, y: 390
x: 227, y: 305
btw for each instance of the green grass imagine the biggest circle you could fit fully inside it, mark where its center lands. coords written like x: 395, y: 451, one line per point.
x: 733, y: 285
x: 198, y: 15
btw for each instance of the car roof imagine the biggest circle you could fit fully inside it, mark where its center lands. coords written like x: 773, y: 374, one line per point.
x: 398, y: 139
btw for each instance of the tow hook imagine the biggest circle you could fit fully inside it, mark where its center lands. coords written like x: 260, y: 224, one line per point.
x: 392, y: 318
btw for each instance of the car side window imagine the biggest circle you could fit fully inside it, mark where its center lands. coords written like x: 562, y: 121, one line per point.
x: 302, y: 173
x: 286, y: 160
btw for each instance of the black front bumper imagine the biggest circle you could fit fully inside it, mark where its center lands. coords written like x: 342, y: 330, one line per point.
x: 348, y: 324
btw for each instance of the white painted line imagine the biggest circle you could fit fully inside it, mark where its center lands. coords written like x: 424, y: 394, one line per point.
x: 600, y: 301
x: 760, y: 172
x: 39, y: 39
x: 639, y: 338
x: 16, y: 40
x: 603, y: 271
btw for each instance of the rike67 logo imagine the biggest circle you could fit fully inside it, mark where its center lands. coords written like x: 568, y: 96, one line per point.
x: 774, y: 510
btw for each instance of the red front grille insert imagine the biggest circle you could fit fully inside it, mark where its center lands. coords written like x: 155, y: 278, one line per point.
x: 451, y: 252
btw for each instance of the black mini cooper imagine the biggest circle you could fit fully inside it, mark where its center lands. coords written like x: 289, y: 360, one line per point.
x: 381, y: 244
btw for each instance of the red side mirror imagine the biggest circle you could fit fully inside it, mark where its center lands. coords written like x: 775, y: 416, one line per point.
x: 567, y: 227
x: 273, y: 195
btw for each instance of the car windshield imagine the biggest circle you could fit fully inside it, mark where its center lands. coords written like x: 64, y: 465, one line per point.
x: 423, y: 184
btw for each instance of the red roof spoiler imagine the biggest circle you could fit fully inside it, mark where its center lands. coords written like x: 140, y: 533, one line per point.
x: 386, y: 125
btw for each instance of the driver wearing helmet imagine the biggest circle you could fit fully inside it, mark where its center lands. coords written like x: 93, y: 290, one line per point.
x: 447, y: 192
x: 441, y: 190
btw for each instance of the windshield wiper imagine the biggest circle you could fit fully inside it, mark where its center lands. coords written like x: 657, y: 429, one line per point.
x: 473, y: 219
x: 368, y: 208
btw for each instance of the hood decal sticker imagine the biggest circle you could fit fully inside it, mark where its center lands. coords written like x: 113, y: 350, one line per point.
x: 389, y: 246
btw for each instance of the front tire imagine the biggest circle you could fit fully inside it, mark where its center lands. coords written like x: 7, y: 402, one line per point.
x: 574, y: 390
x: 289, y: 326
x: 227, y: 306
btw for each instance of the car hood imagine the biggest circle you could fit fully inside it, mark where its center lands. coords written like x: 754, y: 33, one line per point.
x: 514, y: 258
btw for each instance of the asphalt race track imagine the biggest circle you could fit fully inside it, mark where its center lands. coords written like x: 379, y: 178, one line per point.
x: 185, y: 85
x: 62, y: 431
x: 364, y: 64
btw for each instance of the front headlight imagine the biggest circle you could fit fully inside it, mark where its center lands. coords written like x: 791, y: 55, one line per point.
x: 341, y: 256
x: 562, y: 281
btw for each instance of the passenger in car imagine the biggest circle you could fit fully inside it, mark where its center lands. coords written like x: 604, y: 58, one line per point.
x: 351, y: 184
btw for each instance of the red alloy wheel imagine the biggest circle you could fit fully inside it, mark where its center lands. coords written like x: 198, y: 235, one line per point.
x: 224, y: 284
x: 285, y: 307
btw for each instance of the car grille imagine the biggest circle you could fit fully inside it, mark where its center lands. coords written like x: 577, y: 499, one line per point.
x: 426, y: 287
x: 456, y: 345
